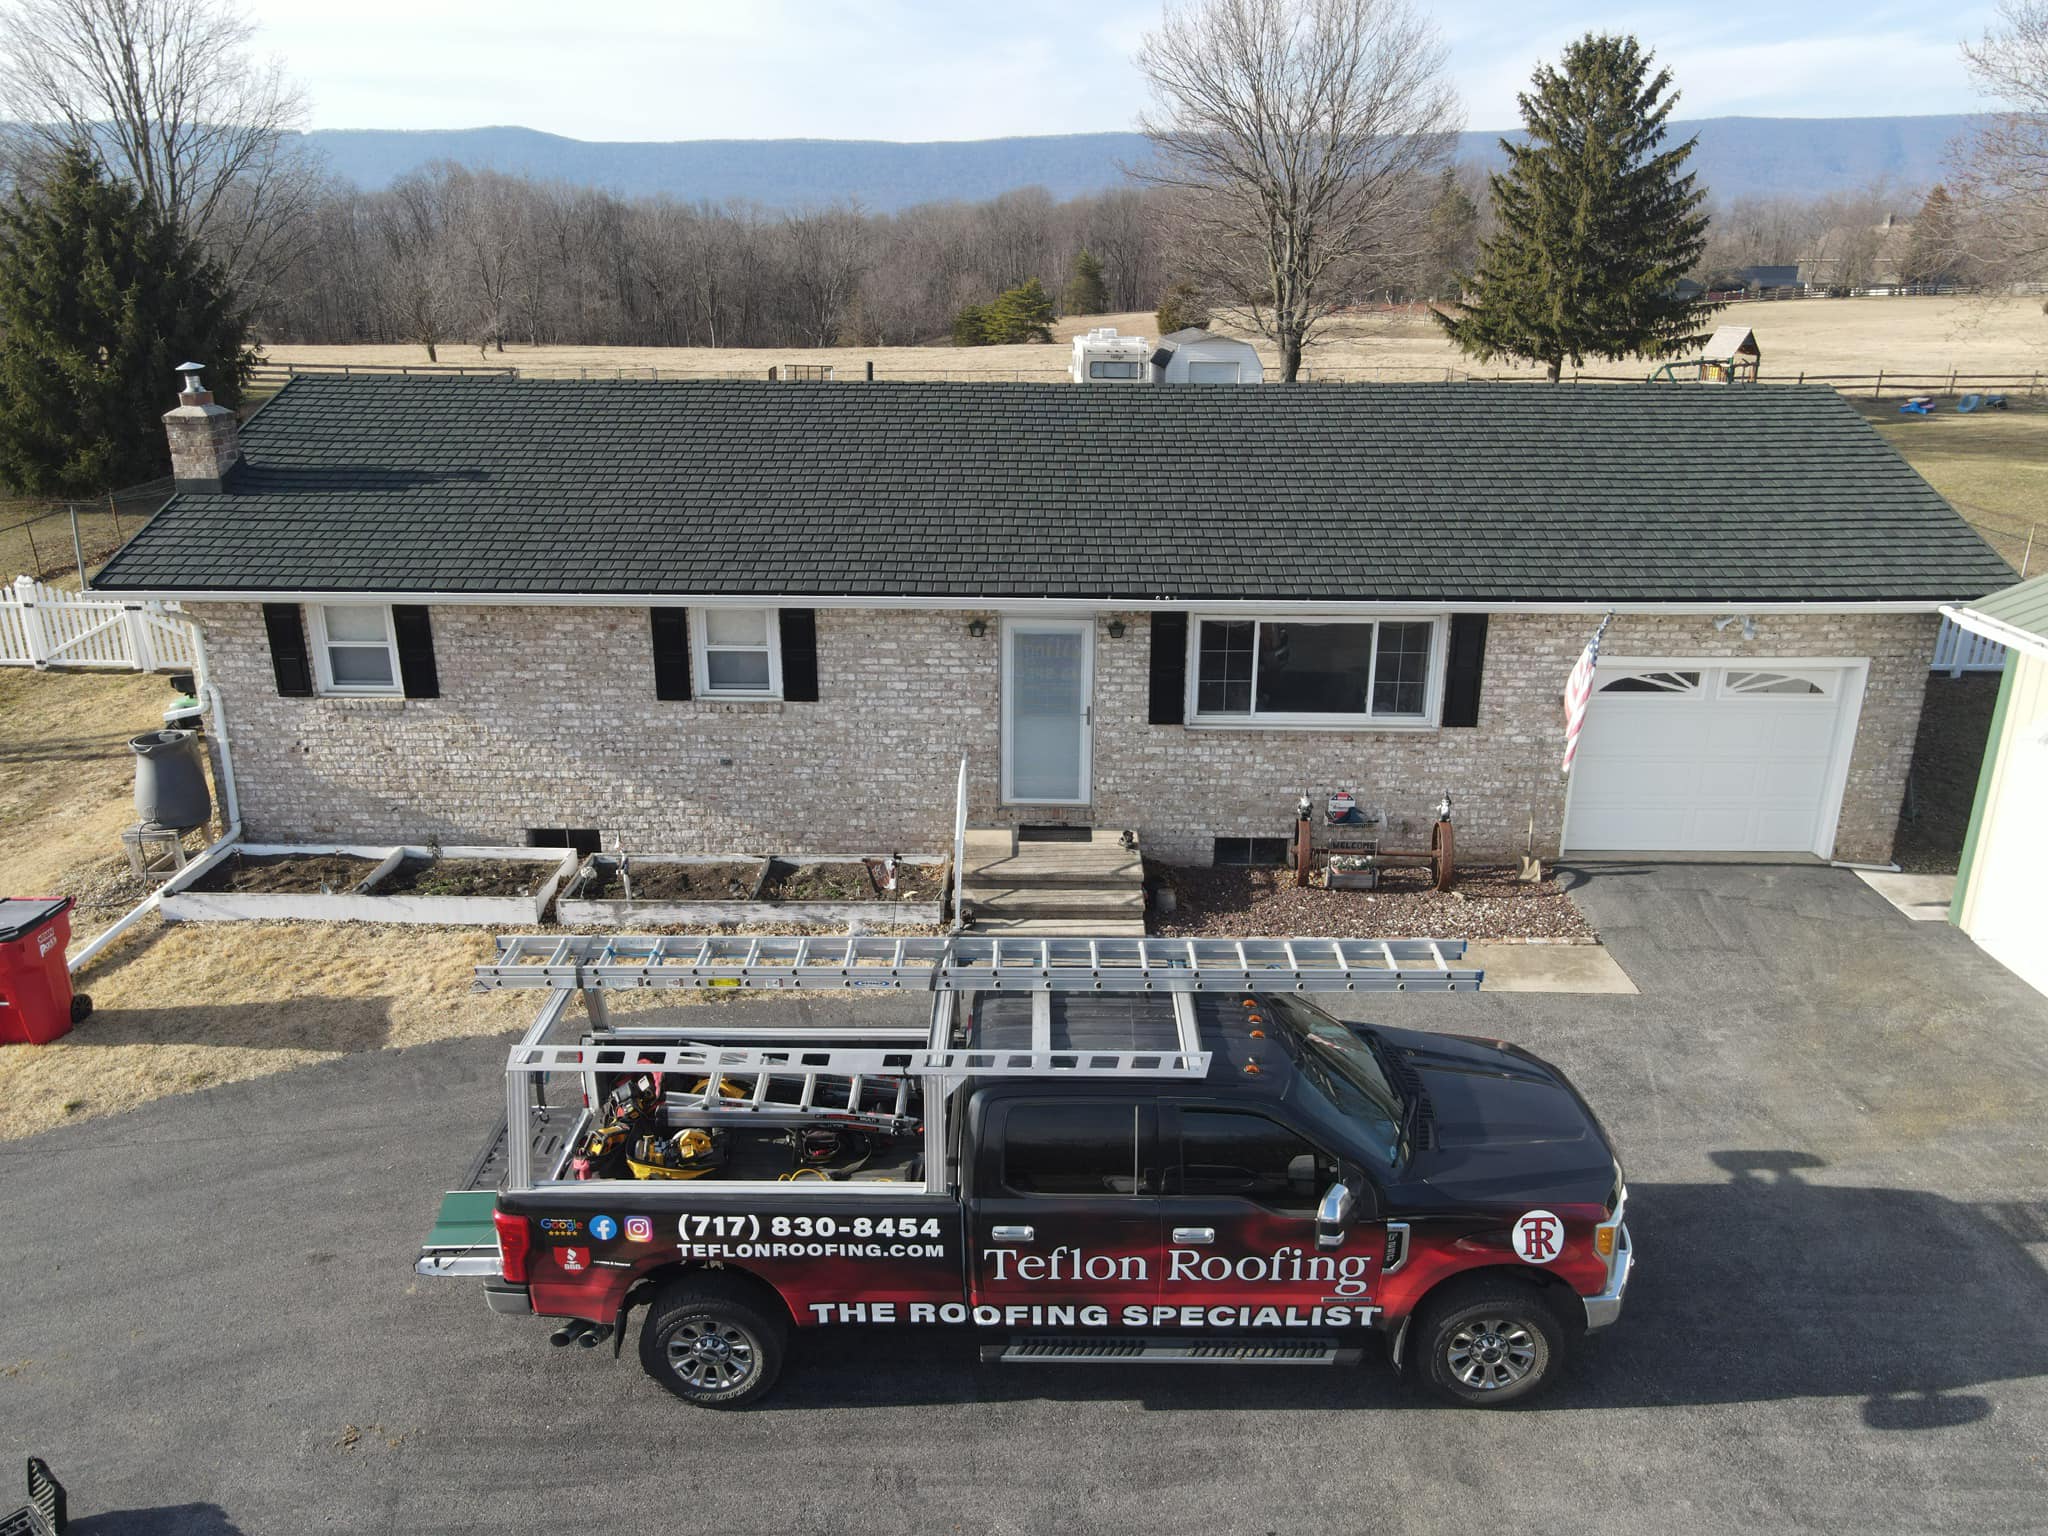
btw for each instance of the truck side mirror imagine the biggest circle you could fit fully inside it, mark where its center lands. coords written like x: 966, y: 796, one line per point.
x: 1333, y: 1216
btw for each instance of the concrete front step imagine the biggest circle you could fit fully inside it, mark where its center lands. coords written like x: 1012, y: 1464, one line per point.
x: 992, y: 859
x: 1076, y: 906
x: 1040, y: 927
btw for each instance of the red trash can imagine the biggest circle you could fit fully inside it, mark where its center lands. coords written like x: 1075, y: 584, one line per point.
x: 36, y: 1005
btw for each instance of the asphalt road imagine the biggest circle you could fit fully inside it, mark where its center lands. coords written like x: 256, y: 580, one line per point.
x: 1834, y: 1126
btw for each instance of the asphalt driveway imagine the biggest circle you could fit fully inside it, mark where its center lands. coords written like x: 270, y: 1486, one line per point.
x: 1834, y: 1126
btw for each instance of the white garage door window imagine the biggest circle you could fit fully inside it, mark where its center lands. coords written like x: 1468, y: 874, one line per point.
x: 1690, y: 756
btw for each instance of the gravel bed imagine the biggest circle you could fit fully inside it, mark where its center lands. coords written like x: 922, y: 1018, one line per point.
x: 1487, y: 903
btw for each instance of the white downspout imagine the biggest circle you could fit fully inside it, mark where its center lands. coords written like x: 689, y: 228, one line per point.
x: 230, y: 805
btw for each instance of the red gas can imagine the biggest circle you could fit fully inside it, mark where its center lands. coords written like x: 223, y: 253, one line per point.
x: 36, y: 1004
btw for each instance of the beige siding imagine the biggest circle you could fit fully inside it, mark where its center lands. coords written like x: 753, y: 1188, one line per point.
x: 2005, y: 908
x: 548, y: 718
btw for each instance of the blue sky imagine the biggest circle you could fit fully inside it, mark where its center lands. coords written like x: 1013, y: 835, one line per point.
x: 928, y: 69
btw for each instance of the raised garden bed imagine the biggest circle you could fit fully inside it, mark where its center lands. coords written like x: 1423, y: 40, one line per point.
x: 616, y: 890
x: 720, y: 890
x: 1488, y: 903
x: 297, y: 874
x: 275, y: 883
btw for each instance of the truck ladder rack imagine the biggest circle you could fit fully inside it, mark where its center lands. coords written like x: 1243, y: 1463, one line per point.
x: 966, y: 963
x: 716, y: 1062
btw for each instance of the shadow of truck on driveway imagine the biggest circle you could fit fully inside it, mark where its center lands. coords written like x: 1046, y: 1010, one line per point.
x: 1763, y: 1288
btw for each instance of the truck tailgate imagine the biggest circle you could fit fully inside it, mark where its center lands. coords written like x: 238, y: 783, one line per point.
x: 464, y: 1241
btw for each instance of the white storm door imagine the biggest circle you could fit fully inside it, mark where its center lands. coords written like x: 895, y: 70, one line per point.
x: 1048, y: 679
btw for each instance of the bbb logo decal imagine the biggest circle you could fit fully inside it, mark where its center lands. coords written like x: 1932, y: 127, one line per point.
x: 575, y: 1258
x: 1539, y: 1238
x: 603, y: 1228
x: 639, y: 1229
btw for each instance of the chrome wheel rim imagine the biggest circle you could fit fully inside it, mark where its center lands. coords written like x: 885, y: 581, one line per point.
x: 1490, y: 1353
x: 711, y: 1354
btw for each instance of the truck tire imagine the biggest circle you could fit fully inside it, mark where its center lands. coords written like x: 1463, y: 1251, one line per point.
x: 713, y: 1342
x: 1485, y: 1343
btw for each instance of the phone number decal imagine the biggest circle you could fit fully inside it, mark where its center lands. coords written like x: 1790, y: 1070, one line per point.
x: 751, y: 1228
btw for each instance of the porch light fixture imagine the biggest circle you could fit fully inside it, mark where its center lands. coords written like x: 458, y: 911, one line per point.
x: 977, y: 628
x: 1116, y: 629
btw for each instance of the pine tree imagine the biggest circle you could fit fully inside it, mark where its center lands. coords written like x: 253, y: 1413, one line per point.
x: 1087, y: 294
x: 100, y: 298
x: 1182, y: 309
x: 1451, y: 237
x: 1931, y: 255
x: 1596, y: 222
x: 1022, y: 313
x: 970, y: 326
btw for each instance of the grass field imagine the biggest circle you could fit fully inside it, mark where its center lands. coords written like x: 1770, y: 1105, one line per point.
x: 1991, y: 465
x: 1814, y: 336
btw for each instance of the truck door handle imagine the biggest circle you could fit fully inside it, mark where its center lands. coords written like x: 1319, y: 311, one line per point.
x: 1013, y: 1234
x: 1194, y: 1234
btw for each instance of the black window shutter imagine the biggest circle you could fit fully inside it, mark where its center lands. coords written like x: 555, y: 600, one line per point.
x: 1467, y: 661
x: 415, y: 652
x: 289, y: 658
x: 671, y: 652
x: 1169, y: 669
x: 800, y: 655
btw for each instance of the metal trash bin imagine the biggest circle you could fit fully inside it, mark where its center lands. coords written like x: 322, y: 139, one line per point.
x: 36, y: 1001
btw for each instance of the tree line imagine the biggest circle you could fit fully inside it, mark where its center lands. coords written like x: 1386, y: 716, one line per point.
x: 449, y: 258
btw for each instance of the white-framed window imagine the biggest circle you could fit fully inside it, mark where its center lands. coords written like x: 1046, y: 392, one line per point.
x: 1212, y: 372
x: 1736, y: 682
x: 738, y: 653
x: 1110, y: 369
x: 1316, y: 671
x: 355, y: 649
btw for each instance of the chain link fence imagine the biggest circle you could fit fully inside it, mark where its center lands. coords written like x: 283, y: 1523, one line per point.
x: 64, y: 542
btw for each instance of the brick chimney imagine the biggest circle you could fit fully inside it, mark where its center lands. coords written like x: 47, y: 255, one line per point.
x: 205, y: 441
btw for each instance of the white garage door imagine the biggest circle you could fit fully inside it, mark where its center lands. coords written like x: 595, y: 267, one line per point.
x: 1709, y: 758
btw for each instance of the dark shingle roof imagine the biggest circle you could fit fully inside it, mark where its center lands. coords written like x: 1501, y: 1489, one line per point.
x: 1476, y: 492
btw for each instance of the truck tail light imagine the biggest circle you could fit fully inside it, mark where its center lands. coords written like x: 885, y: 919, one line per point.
x: 515, y: 1238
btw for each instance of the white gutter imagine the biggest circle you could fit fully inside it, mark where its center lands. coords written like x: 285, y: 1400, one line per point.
x: 1028, y: 604
x: 229, y: 803
x: 2008, y: 635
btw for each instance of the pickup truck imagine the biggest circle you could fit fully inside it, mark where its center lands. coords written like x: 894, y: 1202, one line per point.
x: 1116, y: 1151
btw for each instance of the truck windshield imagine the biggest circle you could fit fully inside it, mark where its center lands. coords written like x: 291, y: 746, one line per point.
x: 1337, y: 1063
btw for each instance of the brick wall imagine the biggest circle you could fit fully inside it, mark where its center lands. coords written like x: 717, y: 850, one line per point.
x: 547, y: 717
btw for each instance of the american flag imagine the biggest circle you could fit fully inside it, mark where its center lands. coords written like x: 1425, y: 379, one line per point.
x: 1578, y: 689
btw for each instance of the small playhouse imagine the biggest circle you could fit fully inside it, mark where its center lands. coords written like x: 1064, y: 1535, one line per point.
x: 1731, y: 356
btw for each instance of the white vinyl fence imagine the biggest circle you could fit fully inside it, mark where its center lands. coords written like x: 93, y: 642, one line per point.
x: 43, y: 627
x: 1958, y: 650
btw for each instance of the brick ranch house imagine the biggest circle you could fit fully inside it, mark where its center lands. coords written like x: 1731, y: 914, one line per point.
x: 697, y: 617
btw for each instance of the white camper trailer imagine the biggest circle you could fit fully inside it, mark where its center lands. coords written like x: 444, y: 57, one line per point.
x: 1103, y: 357
x: 1193, y: 356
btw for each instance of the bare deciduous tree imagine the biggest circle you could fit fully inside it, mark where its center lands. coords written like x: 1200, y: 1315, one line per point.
x: 169, y: 94
x: 2003, y: 187
x: 1294, y: 130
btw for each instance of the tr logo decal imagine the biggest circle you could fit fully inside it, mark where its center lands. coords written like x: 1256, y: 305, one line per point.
x: 1539, y: 1237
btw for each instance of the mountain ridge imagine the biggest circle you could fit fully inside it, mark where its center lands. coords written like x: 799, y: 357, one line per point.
x: 1737, y: 157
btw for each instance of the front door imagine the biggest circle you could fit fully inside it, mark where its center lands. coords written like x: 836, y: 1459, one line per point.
x: 1066, y: 1207
x: 1048, y: 667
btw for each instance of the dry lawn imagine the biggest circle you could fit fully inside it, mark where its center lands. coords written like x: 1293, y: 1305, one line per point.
x: 180, y: 1006
x: 186, y: 1005
x: 1812, y: 336
x: 1991, y: 465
